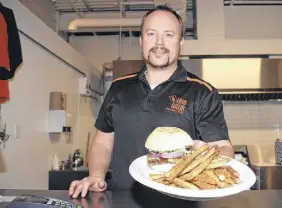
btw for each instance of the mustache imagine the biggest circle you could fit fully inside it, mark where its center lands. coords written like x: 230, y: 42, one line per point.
x: 163, y: 49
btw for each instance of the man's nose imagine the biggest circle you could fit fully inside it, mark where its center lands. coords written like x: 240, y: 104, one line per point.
x: 160, y: 40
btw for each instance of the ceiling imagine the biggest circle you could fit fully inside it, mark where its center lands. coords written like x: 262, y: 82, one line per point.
x: 49, y: 10
x: 108, y: 5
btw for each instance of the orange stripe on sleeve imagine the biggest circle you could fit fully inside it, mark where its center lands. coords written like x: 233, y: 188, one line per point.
x: 201, y: 82
x: 125, y: 77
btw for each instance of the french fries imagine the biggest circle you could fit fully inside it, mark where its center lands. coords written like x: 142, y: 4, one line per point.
x: 199, y: 160
x: 157, y: 176
x: 176, y: 170
x: 204, y: 169
x: 184, y: 184
x: 199, y: 169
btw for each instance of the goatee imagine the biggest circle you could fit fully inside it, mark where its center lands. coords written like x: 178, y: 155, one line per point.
x: 154, y: 50
x: 157, y: 66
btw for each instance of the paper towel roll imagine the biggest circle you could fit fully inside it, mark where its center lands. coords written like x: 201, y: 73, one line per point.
x: 57, y: 101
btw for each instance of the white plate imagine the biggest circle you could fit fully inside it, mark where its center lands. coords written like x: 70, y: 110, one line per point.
x: 140, y: 171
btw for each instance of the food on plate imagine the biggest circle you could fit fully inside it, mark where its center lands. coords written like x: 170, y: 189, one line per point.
x: 203, y: 169
x: 176, y: 170
x: 218, y: 162
x: 204, y: 185
x: 184, y: 184
x: 200, y: 160
x: 204, y: 177
x: 168, y: 145
x: 219, y: 183
x: 197, y: 170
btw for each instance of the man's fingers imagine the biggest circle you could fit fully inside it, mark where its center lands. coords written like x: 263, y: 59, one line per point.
x: 85, y: 188
x: 72, y: 187
x: 85, y: 185
x: 102, y: 185
x: 77, y: 191
x: 198, y: 144
x: 99, y: 186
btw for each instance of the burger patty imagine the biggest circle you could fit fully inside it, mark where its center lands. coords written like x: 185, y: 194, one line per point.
x: 159, y: 160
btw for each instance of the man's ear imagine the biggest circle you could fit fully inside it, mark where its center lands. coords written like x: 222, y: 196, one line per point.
x: 181, y: 42
x: 140, y: 40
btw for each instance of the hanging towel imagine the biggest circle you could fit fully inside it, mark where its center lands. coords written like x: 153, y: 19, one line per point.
x: 9, y: 43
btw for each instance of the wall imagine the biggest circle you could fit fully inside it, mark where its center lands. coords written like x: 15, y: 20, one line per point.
x: 249, y: 123
x: 25, y: 162
x: 44, y: 10
x: 101, y: 49
x: 35, y: 28
x: 253, y: 22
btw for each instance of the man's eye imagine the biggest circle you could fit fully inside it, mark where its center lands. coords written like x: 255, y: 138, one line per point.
x: 169, y: 35
x: 150, y: 34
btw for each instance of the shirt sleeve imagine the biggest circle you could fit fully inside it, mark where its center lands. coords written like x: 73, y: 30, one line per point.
x: 104, y: 121
x: 210, y: 122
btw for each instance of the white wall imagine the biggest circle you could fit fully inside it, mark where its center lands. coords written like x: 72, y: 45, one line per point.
x: 42, y: 9
x: 28, y: 108
x: 25, y: 162
x: 253, y: 22
x: 101, y: 49
x: 237, y: 30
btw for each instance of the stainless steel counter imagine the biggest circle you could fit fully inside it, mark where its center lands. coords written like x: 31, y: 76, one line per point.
x: 142, y: 197
x: 262, y: 162
x: 262, y: 155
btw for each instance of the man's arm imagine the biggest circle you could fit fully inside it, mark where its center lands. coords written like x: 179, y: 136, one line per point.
x: 99, y: 159
x: 100, y: 154
x: 211, y: 124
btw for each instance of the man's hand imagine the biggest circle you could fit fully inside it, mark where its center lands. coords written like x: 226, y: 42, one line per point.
x: 224, y: 146
x: 87, y: 184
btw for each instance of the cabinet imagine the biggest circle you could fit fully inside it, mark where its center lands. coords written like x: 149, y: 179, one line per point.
x: 61, y: 179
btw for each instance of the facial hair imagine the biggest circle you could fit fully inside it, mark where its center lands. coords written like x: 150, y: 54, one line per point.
x: 164, y: 50
x: 153, y: 50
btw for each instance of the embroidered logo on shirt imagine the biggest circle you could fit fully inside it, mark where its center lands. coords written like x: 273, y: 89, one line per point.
x: 177, y: 104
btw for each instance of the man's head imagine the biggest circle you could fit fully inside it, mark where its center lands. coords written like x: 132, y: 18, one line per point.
x: 161, y: 37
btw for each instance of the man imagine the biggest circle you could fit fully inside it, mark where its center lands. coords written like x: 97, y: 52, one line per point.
x: 162, y: 94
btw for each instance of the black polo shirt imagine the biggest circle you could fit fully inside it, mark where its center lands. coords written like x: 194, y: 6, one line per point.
x: 132, y: 111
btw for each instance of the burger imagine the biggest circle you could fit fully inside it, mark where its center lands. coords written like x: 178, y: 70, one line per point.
x: 167, y: 145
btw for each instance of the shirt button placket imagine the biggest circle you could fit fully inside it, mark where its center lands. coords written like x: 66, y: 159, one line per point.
x: 147, y: 103
x: 150, y: 98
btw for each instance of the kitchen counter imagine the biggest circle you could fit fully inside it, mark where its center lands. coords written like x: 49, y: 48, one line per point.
x: 142, y: 197
x: 262, y: 155
x: 262, y: 162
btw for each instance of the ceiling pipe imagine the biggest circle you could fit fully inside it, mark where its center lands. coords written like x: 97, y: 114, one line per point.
x: 179, y: 6
x: 104, y: 23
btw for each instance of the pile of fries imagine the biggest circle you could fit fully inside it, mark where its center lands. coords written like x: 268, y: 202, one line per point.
x: 203, y: 169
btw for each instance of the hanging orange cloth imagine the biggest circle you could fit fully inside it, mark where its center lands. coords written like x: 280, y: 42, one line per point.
x: 4, y: 59
x: 10, y: 45
x: 4, y: 91
x: 4, y: 53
